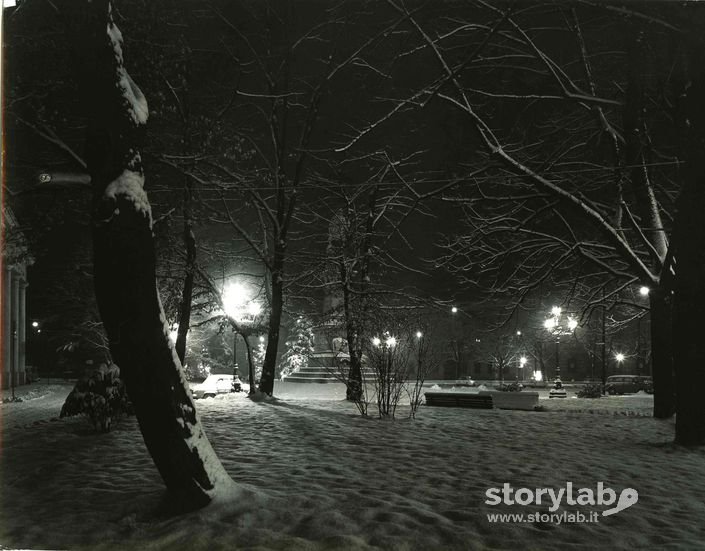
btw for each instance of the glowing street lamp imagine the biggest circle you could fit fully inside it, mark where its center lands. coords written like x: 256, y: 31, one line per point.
x: 234, y: 299
x: 644, y: 291
x: 620, y: 358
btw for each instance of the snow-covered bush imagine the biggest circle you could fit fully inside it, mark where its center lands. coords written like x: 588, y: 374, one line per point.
x: 590, y: 390
x: 101, y: 398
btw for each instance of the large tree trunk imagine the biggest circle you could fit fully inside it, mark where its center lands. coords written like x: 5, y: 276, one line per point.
x: 356, y: 314
x: 250, y: 365
x: 190, y: 244
x: 124, y: 270
x: 635, y: 157
x: 270, y: 356
x: 353, y: 390
x: 187, y: 293
x: 662, y: 353
x: 689, y: 281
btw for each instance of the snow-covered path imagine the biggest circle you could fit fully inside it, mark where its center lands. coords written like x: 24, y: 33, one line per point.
x: 322, y: 477
x: 40, y: 403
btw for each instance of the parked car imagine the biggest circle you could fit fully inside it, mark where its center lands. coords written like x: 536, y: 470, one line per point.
x: 217, y: 384
x: 622, y: 384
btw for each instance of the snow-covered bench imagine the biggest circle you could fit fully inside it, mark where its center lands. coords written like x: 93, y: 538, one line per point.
x: 513, y: 400
x: 458, y: 399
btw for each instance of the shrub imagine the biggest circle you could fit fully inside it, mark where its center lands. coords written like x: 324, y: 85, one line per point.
x: 590, y: 390
x: 101, y: 398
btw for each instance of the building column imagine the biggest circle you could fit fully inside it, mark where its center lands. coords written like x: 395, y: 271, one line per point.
x: 6, y: 339
x: 23, y: 332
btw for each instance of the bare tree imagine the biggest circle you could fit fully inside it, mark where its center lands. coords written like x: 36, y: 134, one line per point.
x: 539, y: 180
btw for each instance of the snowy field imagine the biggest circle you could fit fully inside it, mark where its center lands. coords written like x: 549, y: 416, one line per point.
x: 318, y: 476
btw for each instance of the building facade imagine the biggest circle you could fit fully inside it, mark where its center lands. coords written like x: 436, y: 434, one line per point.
x: 13, y: 303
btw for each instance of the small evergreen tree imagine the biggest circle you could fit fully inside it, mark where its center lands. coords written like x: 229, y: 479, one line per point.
x: 101, y: 398
x: 299, y: 347
x: 258, y: 354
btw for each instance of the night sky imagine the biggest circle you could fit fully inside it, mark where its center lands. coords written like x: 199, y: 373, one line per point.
x: 211, y: 73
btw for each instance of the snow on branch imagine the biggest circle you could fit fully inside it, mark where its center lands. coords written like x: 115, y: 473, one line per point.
x: 134, y: 98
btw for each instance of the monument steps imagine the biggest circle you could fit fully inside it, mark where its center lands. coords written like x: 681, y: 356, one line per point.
x: 315, y: 374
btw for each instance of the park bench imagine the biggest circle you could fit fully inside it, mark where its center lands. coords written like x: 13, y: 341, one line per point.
x: 528, y: 401
x: 458, y: 399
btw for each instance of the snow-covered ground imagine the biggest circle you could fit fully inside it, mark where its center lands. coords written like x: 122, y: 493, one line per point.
x: 318, y: 476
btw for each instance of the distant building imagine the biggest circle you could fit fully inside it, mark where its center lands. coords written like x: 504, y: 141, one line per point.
x: 13, y: 336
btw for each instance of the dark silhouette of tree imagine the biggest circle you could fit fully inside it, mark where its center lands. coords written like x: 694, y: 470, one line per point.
x: 124, y: 264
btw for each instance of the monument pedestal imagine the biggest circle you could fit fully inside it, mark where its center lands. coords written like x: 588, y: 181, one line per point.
x: 329, y: 361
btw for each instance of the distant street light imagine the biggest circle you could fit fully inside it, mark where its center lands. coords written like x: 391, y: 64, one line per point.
x: 454, y: 310
x: 35, y: 324
x: 620, y: 358
x: 644, y: 291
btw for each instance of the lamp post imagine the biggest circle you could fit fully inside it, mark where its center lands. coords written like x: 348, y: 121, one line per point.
x: 640, y: 363
x: 554, y: 325
x: 385, y: 375
x: 241, y: 309
x: 419, y: 343
x: 522, y: 363
x: 234, y: 298
x: 456, y: 339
